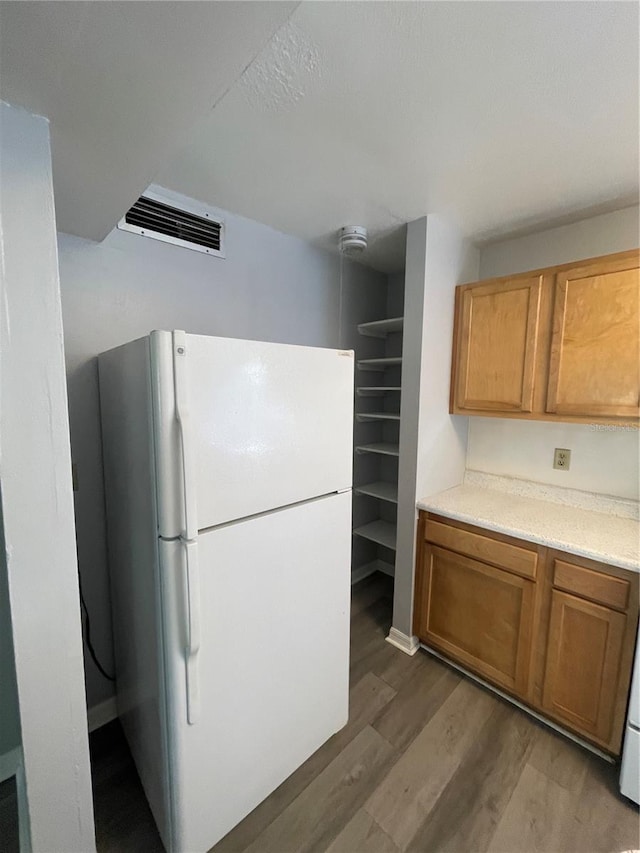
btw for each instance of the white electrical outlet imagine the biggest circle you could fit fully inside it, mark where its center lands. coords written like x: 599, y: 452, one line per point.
x: 562, y: 458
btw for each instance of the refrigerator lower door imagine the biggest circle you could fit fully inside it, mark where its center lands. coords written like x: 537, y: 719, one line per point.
x: 272, y: 664
x: 630, y: 769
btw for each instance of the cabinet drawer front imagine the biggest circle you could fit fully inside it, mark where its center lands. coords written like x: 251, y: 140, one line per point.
x: 511, y: 557
x: 598, y: 587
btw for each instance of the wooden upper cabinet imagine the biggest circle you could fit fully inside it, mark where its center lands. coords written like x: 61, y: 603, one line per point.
x: 498, y: 339
x: 594, y: 365
x: 559, y: 344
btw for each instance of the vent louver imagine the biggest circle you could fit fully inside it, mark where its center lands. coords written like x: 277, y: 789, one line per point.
x: 154, y: 218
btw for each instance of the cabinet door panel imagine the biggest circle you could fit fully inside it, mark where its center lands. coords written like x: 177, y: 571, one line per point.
x: 594, y: 366
x: 583, y: 661
x: 479, y: 615
x: 498, y: 338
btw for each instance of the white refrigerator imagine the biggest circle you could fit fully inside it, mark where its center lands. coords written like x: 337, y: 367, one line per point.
x: 630, y: 769
x: 228, y: 470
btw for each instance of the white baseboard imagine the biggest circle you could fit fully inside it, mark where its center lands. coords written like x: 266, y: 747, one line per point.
x: 9, y: 763
x: 361, y: 572
x: 102, y: 713
x: 408, y: 645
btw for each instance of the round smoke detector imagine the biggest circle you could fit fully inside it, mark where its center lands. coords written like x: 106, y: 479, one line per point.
x: 352, y: 239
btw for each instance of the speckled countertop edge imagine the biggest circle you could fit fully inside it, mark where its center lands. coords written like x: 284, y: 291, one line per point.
x: 584, y: 532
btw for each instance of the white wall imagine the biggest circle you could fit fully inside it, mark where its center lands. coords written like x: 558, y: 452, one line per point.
x: 270, y: 287
x: 37, y: 505
x: 9, y: 714
x: 598, y: 235
x: 432, y: 442
x: 602, y: 460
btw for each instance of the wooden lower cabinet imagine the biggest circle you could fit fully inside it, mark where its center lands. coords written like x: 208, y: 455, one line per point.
x: 480, y: 615
x: 560, y: 639
x: 583, y: 660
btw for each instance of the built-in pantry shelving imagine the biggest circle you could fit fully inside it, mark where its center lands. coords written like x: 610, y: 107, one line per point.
x: 377, y: 416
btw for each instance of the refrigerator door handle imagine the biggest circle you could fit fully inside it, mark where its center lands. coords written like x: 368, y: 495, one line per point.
x: 193, y: 630
x: 183, y: 417
x: 190, y: 535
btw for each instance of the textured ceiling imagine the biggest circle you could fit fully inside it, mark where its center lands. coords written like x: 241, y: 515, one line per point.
x: 503, y: 115
x: 122, y: 84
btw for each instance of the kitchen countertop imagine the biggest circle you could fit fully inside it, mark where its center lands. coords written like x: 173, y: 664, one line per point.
x: 597, y: 535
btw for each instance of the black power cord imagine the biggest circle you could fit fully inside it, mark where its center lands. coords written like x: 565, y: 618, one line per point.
x: 87, y: 634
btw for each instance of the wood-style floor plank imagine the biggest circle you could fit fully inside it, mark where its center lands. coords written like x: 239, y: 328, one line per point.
x: 422, y: 695
x: 535, y: 818
x: 466, y: 815
x: 604, y: 820
x: 559, y: 758
x: 123, y: 819
x: 412, y: 787
x: 368, y: 591
x: 477, y: 779
x: 365, y: 701
x: 324, y: 808
x: 9, y: 840
x: 362, y: 834
x: 383, y: 659
x: 369, y: 629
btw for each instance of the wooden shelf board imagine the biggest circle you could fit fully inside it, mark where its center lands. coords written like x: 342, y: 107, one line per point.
x: 378, y: 363
x: 383, y: 491
x: 375, y: 391
x: 377, y: 416
x: 381, y: 328
x: 382, y: 447
x: 382, y: 532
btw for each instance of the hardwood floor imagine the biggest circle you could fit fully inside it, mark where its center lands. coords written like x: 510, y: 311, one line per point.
x: 428, y: 762
x: 8, y: 817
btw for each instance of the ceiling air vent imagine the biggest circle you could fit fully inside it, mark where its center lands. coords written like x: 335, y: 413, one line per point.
x: 153, y: 218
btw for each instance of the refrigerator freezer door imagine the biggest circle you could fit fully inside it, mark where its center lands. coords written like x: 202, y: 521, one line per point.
x: 273, y: 662
x: 269, y: 424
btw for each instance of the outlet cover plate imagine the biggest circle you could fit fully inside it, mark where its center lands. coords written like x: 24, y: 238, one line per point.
x: 562, y: 458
